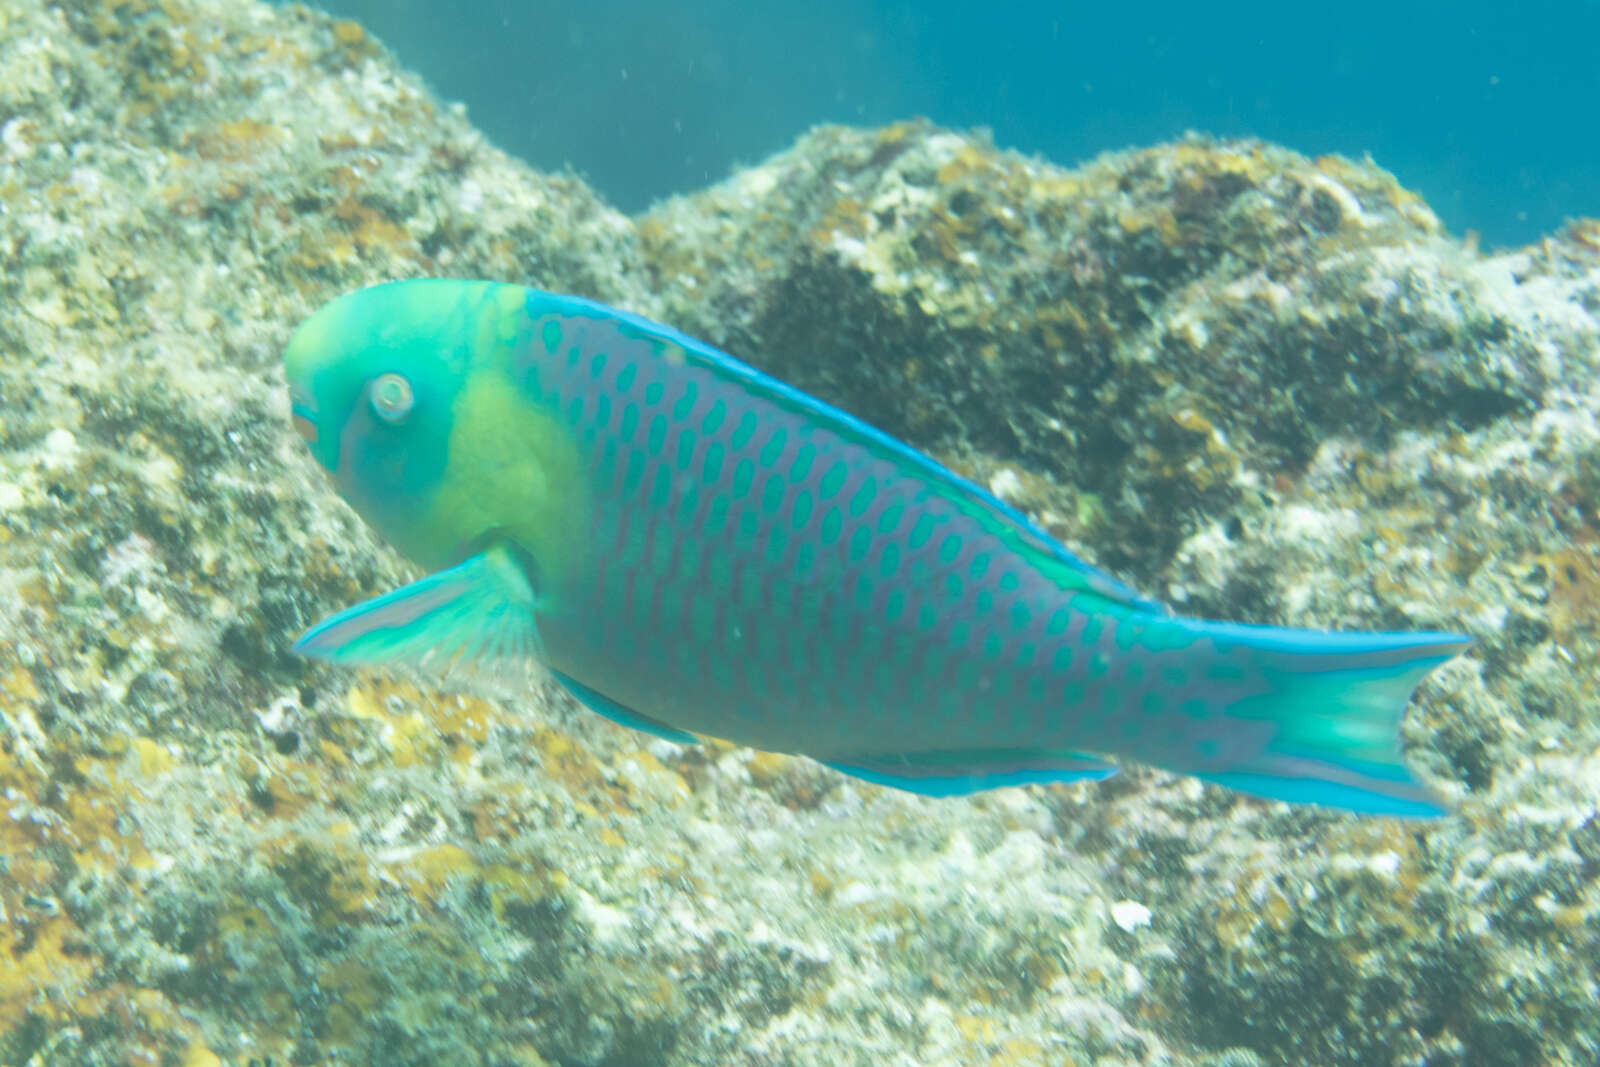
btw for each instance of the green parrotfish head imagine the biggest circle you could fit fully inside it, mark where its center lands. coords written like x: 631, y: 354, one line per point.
x: 404, y: 394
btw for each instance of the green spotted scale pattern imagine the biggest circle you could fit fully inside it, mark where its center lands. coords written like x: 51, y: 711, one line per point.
x: 761, y: 576
x: 703, y: 548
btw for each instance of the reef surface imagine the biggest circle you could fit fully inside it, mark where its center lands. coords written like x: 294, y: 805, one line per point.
x: 1261, y: 386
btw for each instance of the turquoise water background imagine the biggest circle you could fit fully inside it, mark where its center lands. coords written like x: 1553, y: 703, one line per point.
x: 1489, y: 110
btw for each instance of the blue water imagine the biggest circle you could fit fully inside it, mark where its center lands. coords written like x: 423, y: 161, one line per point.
x: 1489, y: 110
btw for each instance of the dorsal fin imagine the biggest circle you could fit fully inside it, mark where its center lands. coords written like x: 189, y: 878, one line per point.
x: 993, y: 513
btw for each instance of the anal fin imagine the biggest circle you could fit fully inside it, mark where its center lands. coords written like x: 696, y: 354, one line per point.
x: 947, y: 774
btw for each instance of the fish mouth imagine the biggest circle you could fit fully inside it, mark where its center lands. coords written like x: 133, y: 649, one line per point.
x: 303, y: 415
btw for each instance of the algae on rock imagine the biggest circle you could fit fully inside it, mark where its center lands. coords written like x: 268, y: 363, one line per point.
x: 1266, y: 387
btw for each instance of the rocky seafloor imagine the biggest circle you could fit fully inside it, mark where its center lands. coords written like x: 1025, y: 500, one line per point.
x: 1261, y: 386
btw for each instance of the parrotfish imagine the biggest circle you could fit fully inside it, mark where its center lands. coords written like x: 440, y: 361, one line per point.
x: 692, y: 547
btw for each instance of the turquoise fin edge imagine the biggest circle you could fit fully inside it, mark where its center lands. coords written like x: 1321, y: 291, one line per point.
x: 1094, y: 579
x: 950, y: 774
x: 1336, y: 705
x: 474, y: 618
x: 605, y: 707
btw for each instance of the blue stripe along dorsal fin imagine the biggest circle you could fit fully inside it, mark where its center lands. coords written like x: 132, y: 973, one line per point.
x: 1002, y: 518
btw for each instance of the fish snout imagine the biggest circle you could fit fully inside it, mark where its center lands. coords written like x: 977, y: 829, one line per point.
x: 303, y: 415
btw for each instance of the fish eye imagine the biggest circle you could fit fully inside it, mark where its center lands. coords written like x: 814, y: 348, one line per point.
x: 391, y: 397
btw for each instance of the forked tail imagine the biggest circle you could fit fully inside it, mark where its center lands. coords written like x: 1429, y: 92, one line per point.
x: 1333, y: 702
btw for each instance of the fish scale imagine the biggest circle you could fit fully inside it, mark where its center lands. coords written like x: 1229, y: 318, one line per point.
x: 848, y: 651
x: 695, y: 548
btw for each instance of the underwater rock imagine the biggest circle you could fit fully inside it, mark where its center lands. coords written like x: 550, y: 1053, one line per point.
x: 1285, y: 396
x: 1267, y: 387
x: 1161, y: 328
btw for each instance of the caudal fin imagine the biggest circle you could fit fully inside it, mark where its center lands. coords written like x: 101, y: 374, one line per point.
x: 1335, y: 702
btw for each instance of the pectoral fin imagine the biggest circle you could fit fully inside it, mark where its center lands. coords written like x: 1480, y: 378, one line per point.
x: 947, y: 774
x: 474, y: 620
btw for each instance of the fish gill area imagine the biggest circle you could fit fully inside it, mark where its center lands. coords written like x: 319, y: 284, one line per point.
x: 1261, y: 386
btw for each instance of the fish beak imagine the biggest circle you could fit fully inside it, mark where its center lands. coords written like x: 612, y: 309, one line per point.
x: 303, y: 414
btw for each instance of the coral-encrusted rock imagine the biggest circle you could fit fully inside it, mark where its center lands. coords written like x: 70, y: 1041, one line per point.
x: 1167, y: 328
x: 1268, y: 386
x: 1292, y: 400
